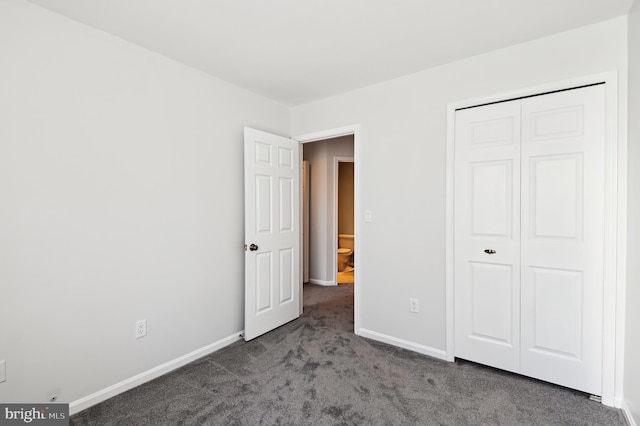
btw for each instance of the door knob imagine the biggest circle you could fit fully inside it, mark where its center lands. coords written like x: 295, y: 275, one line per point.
x: 253, y: 247
x: 489, y: 251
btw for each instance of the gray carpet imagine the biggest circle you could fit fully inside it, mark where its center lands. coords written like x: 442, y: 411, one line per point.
x: 314, y: 370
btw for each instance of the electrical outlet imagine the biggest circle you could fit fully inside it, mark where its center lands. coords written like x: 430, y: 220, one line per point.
x: 414, y: 305
x: 3, y: 371
x: 141, y: 328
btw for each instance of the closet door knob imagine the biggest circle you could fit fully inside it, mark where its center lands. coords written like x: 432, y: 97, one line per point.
x: 253, y: 247
x: 489, y: 251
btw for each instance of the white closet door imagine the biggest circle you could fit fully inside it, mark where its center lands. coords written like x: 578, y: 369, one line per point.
x: 487, y: 218
x: 562, y: 237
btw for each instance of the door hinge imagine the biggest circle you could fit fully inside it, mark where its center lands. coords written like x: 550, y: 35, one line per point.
x: 245, y: 247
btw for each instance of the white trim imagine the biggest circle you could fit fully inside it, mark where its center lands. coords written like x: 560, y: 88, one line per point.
x: 130, y: 383
x: 611, y: 248
x: 449, y: 248
x: 627, y: 414
x: 336, y: 165
x: 321, y: 282
x: 328, y: 134
x: 357, y: 141
x: 301, y: 235
x: 401, y: 343
x: 615, y: 237
x: 619, y: 304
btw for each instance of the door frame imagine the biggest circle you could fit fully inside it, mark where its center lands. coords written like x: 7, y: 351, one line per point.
x: 615, y: 223
x: 354, y: 130
x: 336, y: 165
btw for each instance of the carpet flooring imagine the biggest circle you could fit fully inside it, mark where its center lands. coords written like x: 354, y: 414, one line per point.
x: 315, y: 371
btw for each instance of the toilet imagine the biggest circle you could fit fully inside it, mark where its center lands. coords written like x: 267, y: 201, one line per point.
x: 345, y: 250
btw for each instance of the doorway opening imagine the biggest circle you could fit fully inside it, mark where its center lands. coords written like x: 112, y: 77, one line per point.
x: 322, y: 154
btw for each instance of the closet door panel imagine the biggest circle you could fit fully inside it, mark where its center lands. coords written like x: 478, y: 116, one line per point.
x: 557, y: 302
x: 556, y: 207
x: 562, y: 237
x: 487, y: 233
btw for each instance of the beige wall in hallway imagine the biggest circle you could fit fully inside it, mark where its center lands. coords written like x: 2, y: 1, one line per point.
x: 345, y: 198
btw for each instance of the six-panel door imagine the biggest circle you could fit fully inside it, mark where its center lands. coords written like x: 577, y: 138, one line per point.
x: 487, y: 217
x: 272, y: 216
x: 529, y: 185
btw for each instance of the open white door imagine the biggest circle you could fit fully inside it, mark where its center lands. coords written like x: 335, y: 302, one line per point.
x: 272, y: 231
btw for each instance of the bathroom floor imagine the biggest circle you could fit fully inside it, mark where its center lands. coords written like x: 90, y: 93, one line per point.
x: 347, y: 276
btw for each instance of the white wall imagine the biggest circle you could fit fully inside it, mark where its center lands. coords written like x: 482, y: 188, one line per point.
x: 322, y: 258
x: 632, y: 341
x: 402, y: 165
x: 121, y: 187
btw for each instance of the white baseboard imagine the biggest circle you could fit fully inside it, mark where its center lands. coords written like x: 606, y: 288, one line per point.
x: 321, y: 282
x: 130, y: 383
x: 401, y: 343
x: 627, y: 414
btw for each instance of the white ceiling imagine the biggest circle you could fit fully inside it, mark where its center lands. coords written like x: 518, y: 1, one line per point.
x: 296, y: 51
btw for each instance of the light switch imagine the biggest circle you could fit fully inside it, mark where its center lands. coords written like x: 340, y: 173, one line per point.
x: 368, y: 216
x: 3, y: 371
